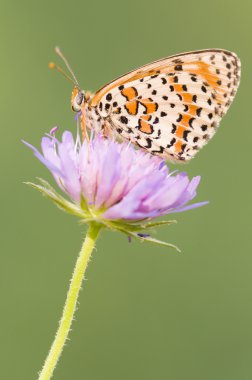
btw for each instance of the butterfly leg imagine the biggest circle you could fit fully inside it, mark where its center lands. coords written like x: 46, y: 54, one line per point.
x: 107, y: 131
x: 83, y: 127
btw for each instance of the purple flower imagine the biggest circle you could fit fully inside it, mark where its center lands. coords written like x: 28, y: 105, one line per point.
x: 115, y: 179
x: 111, y: 182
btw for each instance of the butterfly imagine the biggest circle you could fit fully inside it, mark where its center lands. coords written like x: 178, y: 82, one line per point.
x: 171, y: 107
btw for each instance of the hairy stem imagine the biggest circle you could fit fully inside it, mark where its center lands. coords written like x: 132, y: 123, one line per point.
x: 71, y: 302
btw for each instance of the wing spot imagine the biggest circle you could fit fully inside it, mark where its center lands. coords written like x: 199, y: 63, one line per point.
x: 118, y: 110
x: 132, y: 107
x: 160, y: 151
x: 185, y: 134
x: 183, y: 146
x: 174, y: 128
x: 198, y: 111
x: 178, y: 68
x: 149, y: 143
x: 145, y: 127
x: 191, y: 121
x: 129, y: 93
x: 172, y: 142
x: 124, y: 119
x: 179, y: 118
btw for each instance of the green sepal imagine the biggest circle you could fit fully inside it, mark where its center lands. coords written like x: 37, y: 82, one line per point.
x: 143, y: 226
x: 148, y: 239
x: 49, y: 192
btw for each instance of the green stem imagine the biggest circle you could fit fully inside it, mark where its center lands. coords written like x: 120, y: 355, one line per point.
x: 71, y: 301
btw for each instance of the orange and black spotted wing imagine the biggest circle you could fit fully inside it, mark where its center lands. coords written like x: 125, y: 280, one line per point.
x: 172, y: 107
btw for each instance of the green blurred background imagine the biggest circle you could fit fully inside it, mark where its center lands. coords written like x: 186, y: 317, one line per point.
x: 145, y: 312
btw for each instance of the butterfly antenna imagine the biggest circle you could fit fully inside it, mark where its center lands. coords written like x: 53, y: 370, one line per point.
x: 60, y: 54
x: 52, y: 65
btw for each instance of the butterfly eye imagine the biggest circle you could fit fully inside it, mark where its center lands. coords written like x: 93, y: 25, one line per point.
x: 79, y: 98
x: 78, y: 101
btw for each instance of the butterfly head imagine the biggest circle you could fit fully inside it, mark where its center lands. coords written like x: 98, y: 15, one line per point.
x: 77, y: 99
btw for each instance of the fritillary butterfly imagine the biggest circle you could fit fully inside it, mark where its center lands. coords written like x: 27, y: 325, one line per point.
x: 170, y: 107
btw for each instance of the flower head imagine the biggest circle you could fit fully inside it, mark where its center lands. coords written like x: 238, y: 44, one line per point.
x: 113, y: 183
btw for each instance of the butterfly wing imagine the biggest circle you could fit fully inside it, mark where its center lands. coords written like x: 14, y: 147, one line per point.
x: 172, y: 107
